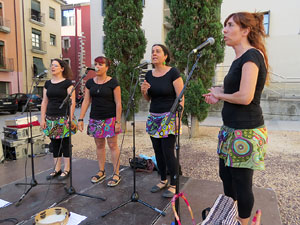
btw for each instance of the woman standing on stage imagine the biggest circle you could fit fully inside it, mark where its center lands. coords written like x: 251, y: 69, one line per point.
x: 243, y: 137
x: 54, y: 121
x: 104, y: 93
x: 161, y: 86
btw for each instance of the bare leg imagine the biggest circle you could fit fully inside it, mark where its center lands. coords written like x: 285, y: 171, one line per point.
x: 115, y: 153
x: 244, y: 221
x: 57, y: 163
x: 67, y: 163
x: 100, y: 151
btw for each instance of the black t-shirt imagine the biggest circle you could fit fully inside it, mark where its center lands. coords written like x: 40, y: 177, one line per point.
x: 56, y: 94
x: 103, y: 101
x: 244, y: 116
x: 162, y: 91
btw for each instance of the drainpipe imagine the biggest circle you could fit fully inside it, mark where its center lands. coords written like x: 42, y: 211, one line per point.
x: 17, y: 50
x: 25, y: 50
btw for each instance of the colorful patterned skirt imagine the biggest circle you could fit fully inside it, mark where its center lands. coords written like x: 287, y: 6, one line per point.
x: 102, y: 128
x: 156, y: 125
x: 56, y: 127
x: 243, y: 148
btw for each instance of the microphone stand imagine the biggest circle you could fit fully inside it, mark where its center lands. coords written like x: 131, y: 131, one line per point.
x: 33, y: 182
x: 71, y: 190
x: 176, y: 107
x: 134, y: 196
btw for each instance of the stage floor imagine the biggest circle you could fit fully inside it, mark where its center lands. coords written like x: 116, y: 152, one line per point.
x: 200, y: 194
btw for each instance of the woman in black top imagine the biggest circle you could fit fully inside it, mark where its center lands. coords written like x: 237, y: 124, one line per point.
x: 54, y: 121
x: 161, y: 86
x: 243, y: 137
x: 104, y: 93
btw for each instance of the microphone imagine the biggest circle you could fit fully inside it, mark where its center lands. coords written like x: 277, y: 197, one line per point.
x: 90, y: 68
x: 42, y: 74
x: 146, y: 62
x: 209, y: 41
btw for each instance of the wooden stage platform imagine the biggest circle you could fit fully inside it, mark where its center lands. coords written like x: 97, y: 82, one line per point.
x: 200, y: 194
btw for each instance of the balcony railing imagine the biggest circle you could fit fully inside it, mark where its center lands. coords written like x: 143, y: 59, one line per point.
x: 279, y: 86
x: 41, y: 48
x: 6, y: 64
x: 37, y: 17
x: 4, y: 25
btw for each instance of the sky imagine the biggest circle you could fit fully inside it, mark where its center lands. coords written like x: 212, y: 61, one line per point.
x: 76, y: 1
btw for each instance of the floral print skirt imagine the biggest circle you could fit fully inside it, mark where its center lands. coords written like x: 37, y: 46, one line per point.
x: 102, y: 128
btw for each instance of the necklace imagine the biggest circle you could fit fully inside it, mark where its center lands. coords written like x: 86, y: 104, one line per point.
x: 99, y: 88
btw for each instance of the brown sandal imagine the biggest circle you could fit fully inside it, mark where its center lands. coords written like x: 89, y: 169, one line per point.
x: 98, y: 177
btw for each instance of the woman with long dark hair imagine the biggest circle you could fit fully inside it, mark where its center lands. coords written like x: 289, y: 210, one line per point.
x: 161, y: 86
x: 54, y: 121
x: 243, y: 136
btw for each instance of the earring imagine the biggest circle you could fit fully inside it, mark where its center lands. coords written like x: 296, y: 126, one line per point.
x: 164, y: 63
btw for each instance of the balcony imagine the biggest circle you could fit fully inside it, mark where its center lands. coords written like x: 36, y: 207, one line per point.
x: 39, y: 48
x: 37, y: 17
x: 4, y: 25
x: 6, y: 64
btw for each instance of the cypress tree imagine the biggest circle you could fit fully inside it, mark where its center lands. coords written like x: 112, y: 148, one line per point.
x: 124, y: 43
x: 192, y: 22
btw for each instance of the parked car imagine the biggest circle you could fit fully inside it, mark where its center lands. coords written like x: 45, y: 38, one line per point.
x: 35, y: 101
x: 8, y: 104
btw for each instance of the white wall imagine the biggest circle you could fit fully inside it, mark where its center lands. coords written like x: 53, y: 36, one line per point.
x: 283, y: 43
x: 152, y: 24
x: 96, y: 29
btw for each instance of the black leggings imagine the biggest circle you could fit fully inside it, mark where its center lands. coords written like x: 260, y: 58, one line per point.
x: 237, y: 183
x: 165, y: 156
x: 64, y: 144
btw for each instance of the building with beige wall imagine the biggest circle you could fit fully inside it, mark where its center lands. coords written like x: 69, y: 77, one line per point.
x: 42, y: 36
x: 11, y: 75
x: 153, y: 24
x: 282, y: 22
x: 283, y: 42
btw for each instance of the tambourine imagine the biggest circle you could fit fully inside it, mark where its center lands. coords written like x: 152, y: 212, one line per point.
x: 52, y: 216
x: 176, y: 196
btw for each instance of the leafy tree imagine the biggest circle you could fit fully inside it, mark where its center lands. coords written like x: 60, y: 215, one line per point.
x: 124, y: 43
x: 193, y: 21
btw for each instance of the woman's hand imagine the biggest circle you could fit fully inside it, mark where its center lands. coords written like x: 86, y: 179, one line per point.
x: 43, y: 124
x: 144, y: 88
x: 210, y: 99
x: 117, y: 127
x: 80, y: 126
x: 216, y: 91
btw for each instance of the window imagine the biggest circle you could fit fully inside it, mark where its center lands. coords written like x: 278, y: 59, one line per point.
x: 52, y: 39
x: 2, y: 62
x: 51, y: 13
x: 68, y: 17
x: 144, y: 2
x: 36, y: 39
x: 68, y: 61
x: 1, y: 15
x: 267, y: 22
x: 36, y: 10
x: 66, y: 43
x: 38, y: 66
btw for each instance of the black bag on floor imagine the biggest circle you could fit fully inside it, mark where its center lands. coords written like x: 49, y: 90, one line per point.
x: 140, y: 163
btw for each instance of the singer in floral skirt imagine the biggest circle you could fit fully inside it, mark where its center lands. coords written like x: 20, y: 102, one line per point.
x: 161, y: 86
x: 104, y: 93
x: 243, y: 137
x: 54, y: 121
